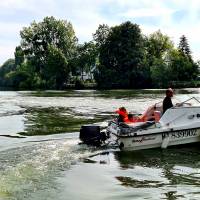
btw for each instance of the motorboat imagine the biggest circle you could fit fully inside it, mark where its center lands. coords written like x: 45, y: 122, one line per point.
x: 178, y: 125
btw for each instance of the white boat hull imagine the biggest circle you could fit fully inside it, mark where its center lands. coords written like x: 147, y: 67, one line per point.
x: 159, y: 140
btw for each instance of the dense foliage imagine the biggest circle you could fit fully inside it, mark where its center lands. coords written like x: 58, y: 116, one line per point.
x: 121, y: 58
x: 43, y: 58
x: 49, y: 57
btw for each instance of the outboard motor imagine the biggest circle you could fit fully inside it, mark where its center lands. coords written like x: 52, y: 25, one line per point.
x: 91, y: 135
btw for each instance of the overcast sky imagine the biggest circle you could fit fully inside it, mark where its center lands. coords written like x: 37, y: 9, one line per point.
x: 172, y: 17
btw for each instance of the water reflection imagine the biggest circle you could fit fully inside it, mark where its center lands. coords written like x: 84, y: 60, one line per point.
x: 118, y: 94
x: 185, y: 155
x: 54, y: 120
x: 171, y: 170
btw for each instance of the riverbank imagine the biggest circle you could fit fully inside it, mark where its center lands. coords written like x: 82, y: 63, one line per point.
x: 173, y: 84
x: 93, y: 86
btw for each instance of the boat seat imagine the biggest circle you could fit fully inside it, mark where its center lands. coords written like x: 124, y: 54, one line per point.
x: 157, y: 115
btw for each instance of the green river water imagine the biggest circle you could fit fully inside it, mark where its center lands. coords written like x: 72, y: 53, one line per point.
x: 40, y: 155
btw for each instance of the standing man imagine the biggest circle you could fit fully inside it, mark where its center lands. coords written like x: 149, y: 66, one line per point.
x: 167, y: 102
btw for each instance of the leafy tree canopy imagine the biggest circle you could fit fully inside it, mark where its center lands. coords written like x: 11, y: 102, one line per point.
x: 46, y: 48
x: 56, y: 70
x: 38, y: 36
x: 121, y: 57
x: 101, y: 35
x: 8, y: 66
x: 184, y: 46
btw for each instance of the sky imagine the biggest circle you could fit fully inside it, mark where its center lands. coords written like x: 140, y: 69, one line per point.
x: 172, y: 17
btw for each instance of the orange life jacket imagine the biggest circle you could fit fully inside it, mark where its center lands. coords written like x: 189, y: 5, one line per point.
x: 124, y: 114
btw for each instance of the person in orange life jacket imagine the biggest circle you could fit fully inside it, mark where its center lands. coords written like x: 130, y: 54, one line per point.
x: 123, y: 114
x: 167, y: 102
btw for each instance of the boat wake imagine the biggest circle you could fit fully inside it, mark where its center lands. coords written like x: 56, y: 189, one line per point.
x: 30, y: 166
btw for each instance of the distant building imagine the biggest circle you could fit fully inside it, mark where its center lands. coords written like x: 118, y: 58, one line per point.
x: 86, y: 75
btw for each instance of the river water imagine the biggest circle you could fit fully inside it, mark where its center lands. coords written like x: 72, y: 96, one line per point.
x: 40, y: 155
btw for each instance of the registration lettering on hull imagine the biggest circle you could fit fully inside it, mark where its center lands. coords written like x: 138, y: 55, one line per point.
x: 180, y: 134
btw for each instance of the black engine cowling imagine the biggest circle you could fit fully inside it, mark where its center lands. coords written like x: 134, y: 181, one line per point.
x: 91, y: 135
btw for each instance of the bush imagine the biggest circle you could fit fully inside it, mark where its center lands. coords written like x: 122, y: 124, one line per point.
x: 79, y: 84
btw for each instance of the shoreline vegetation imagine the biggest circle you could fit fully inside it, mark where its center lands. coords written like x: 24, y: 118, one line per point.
x: 94, y: 86
x: 49, y: 56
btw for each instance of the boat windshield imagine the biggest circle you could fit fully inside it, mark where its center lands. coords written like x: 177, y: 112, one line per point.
x: 193, y: 101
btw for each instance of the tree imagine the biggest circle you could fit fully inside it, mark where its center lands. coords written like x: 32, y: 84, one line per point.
x: 24, y: 76
x: 189, y: 68
x: 158, y: 45
x: 181, y: 68
x: 121, y: 58
x: 37, y: 37
x: 101, y: 35
x: 87, y: 56
x: 56, y: 70
x: 158, y: 48
x: 42, y: 40
x: 6, y: 68
x: 184, y: 46
x: 19, y: 56
x: 160, y: 74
